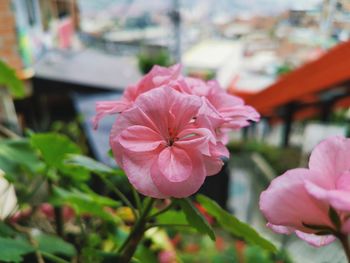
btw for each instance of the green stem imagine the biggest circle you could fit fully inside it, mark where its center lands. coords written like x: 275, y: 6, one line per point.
x: 345, y: 244
x: 128, y: 248
x: 137, y: 198
x: 120, y: 195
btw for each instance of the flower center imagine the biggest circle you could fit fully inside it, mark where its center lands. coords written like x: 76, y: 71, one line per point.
x: 172, y: 137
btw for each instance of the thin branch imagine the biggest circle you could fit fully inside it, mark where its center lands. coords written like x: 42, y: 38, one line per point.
x: 120, y: 195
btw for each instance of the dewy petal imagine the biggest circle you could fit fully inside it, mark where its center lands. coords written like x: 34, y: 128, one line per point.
x: 331, y: 158
x: 287, y: 203
x: 184, y: 188
x: 175, y: 164
x: 140, y: 139
x: 315, y: 240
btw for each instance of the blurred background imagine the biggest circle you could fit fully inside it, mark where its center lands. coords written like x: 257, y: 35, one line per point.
x: 290, y: 59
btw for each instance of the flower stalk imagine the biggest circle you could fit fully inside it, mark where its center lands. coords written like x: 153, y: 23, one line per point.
x: 128, y: 248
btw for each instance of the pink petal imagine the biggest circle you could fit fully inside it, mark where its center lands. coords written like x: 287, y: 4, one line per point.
x: 175, y: 164
x: 131, y: 117
x: 140, y: 139
x: 315, y: 240
x: 163, y: 75
x: 331, y: 158
x: 168, y: 108
x: 212, y: 165
x: 196, y: 139
x: 287, y: 203
x: 280, y: 229
x: 338, y: 199
x: 104, y: 108
x: 137, y: 167
x: 184, y: 188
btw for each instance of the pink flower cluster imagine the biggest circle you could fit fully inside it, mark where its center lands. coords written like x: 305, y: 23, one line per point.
x: 171, y: 131
x: 315, y: 202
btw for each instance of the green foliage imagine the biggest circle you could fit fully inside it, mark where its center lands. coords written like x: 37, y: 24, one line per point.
x: 13, y: 250
x: 172, y: 217
x: 90, y: 164
x: 18, y: 154
x: 147, y: 60
x: 54, y: 245
x: 195, y: 218
x: 253, y: 254
x: 9, y: 79
x: 86, y: 203
x: 232, y: 225
x: 54, y: 148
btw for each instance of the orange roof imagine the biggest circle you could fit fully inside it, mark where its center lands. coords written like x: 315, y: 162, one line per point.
x: 329, y: 70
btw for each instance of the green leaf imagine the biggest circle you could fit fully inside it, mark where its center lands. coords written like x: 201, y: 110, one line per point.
x: 195, y: 218
x: 86, y: 203
x: 9, y: 79
x: 12, y: 250
x: 54, y: 245
x: 15, y: 154
x: 6, y: 231
x: 172, y: 217
x: 54, y: 148
x: 88, y: 164
x: 232, y: 225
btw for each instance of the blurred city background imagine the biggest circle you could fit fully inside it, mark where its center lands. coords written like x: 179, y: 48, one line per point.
x: 290, y: 59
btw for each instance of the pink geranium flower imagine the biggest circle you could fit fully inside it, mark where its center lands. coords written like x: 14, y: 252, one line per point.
x: 162, y: 148
x: 225, y: 111
x: 307, y: 201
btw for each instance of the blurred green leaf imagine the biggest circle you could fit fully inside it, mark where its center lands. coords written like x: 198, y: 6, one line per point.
x: 195, y: 218
x: 54, y: 245
x: 15, y: 154
x: 5, y: 230
x: 12, y: 250
x: 86, y: 203
x: 172, y: 217
x: 232, y: 225
x: 9, y: 79
x: 88, y: 164
x: 253, y: 254
x: 54, y: 148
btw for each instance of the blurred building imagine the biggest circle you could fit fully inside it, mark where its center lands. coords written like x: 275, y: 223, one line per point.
x: 9, y: 48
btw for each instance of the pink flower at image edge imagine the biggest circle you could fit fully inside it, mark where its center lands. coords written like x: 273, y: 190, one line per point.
x: 301, y: 199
